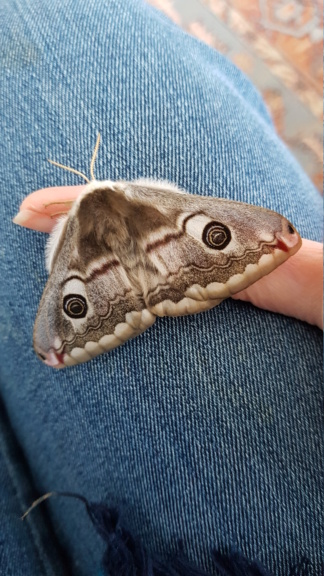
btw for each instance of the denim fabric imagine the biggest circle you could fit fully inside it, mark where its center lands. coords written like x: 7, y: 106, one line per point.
x: 205, y: 428
x: 27, y: 548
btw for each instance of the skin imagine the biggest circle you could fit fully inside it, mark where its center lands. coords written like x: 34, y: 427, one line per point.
x: 294, y: 289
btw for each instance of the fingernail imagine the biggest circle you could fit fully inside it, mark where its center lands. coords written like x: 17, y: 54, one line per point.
x: 23, y: 216
x: 33, y: 220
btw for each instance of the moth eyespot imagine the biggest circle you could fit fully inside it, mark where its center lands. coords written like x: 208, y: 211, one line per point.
x: 75, y: 306
x: 216, y: 235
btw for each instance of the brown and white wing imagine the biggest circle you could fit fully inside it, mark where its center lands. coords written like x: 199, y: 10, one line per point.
x: 89, y: 304
x: 211, y: 249
x: 130, y: 251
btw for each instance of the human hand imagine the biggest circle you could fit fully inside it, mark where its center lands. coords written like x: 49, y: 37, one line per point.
x: 295, y: 288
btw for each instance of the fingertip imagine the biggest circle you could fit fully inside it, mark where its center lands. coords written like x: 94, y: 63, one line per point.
x: 34, y: 221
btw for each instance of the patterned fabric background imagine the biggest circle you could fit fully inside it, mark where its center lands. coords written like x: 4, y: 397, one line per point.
x: 278, y: 44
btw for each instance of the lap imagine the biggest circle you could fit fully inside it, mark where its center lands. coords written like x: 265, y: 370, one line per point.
x: 207, y: 427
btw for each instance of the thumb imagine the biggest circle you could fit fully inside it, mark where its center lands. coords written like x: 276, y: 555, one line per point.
x: 295, y: 288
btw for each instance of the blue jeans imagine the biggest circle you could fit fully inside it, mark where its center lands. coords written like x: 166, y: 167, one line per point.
x: 205, y: 428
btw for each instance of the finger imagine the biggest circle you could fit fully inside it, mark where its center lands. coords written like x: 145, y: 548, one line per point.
x: 295, y: 288
x: 40, y: 210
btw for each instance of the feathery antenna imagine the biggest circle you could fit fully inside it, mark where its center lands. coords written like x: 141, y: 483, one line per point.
x: 77, y: 172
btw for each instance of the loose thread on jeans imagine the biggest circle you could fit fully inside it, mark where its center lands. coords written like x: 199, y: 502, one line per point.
x: 125, y: 556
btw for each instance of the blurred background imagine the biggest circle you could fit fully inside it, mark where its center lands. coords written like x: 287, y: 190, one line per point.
x: 278, y: 44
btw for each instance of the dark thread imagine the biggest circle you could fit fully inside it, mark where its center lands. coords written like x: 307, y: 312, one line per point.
x: 126, y: 556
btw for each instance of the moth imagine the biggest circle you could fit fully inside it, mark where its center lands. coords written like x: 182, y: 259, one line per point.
x: 128, y: 252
